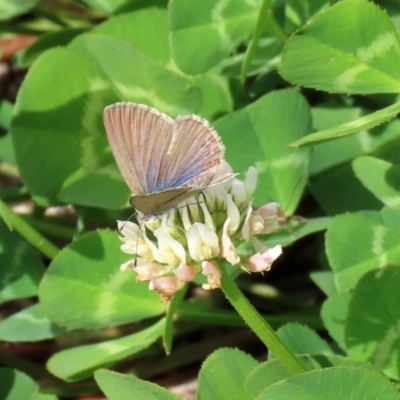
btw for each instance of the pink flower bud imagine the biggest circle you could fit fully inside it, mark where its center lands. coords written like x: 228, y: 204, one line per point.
x: 213, y: 274
x: 166, y: 286
x: 147, y: 271
x: 186, y: 273
x: 261, y: 262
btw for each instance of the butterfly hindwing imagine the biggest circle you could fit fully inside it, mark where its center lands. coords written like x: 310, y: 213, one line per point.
x: 160, y: 201
x: 195, y: 153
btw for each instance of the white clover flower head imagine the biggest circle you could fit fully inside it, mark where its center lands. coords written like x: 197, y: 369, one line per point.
x: 194, y: 238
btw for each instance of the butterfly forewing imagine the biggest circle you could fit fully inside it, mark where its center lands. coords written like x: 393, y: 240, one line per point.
x: 138, y: 136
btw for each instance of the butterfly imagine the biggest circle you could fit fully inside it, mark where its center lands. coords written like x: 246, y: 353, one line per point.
x: 163, y: 161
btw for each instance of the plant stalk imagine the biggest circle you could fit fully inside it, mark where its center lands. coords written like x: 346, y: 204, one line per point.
x: 14, y: 221
x: 259, y: 325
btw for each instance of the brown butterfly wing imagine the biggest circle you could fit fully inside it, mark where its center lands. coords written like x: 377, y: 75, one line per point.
x: 138, y: 136
x: 194, y: 155
x: 163, y: 161
x: 159, y: 202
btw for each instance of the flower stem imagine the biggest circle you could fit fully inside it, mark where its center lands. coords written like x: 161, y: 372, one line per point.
x: 265, y: 19
x: 259, y: 326
x: 16, y: 222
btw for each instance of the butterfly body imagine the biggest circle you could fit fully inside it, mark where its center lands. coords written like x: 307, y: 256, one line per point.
x: 163, y: 161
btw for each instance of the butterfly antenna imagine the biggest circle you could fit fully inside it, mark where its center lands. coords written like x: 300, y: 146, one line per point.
x: 137, y: 214
x: 136, y: 250
x: 128, y: 220
x: 140, y: 218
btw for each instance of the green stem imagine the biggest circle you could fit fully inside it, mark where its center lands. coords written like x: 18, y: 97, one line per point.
x: 264, y: 19
x: 16, y: 222
x: 172, y: 307
x: 276, y: 28
x: 259, y: 326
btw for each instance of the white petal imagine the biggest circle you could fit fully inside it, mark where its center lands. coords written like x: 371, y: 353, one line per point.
x: 134, y: 241
x: 129, y: 248
x: 129, y: 229
x: 213, y: 274
x: 238, y: 192
x: 202, y: 242
x: 151, y: 251
x: 170, y: 249
x: 233, y: 215
x: 250, y: 182
x: 260, y: 262
x: 152, y: 223
x: 126, y: 265
x: 246, y: 224
x: 207, y: 217
x: 228, y: 248
x: 187, y: 223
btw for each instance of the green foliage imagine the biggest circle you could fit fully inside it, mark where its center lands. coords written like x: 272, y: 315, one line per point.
x: 90, y: 290
x: 271, y: 372
x: 331, y: 384
x: 303, y: 340
x: 329, y: 156
x: 117, y: 386
x: 377, y: 328
x: 361, y: 57
x: 12, y: 9
x: 204, y: 33
x: 29, y: 325
x: 283, y: 170
x: 22, y: 267
x: 16, y: 385
x: 90, y: 357
x: 372, y: 245
x: 225, y: 370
